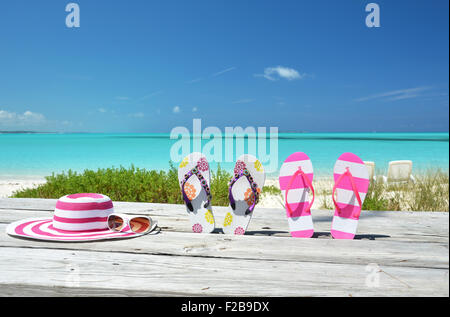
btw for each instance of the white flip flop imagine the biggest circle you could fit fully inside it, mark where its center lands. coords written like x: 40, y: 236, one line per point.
x: 244, y: 190
x: 194, y: 176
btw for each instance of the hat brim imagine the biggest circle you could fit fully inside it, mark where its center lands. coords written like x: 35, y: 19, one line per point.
x: 42, y: 229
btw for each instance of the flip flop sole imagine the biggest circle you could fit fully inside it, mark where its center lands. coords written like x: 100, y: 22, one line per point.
x: 345, y: 222
x: 236, y: 221
x: 300, y: 221
x: 201, y: 218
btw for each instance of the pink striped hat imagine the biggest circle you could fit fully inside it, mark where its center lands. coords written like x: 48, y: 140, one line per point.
x: 77, y: 217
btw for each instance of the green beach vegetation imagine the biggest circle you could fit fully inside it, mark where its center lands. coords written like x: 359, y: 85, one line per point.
x: 126, y: 184
x: 430, y: 192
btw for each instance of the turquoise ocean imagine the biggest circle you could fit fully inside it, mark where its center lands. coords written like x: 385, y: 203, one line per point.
x: 28, y: 156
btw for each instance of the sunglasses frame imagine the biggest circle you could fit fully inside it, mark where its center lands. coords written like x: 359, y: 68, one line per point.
x: 126, y: 218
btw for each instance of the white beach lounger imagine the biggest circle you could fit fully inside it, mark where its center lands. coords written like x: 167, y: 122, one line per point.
x: 371, y: 167
x: 399, y: 172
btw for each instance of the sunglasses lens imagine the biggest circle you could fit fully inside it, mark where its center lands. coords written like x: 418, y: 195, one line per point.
x: 115, y: 223
x: 140, y: 224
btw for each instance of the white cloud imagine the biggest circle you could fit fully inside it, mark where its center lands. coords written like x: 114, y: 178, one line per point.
x: 122, y: 98
x: 275, y: 73
x: 27, y: 116
x: 27, y: 119
x: 155, y: 93
x: 394, y: 95
x: 194, y: 81
x: 136, y: 115
x: 5, y: 115
x: 247, y: 100
x: 102, y: 110
x: 224, y: 71
x: 32, y: 121
x: 32, y: 116
x: 176, y: 109
x: 195, y: 109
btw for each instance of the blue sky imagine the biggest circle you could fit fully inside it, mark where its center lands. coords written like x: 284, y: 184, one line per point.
x: 148, y: 66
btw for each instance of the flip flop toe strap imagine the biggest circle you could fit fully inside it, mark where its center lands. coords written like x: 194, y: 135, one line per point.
x: 195, y: 171
x: 348, y: 174
x: 308, y: 183
x: 253, y: 186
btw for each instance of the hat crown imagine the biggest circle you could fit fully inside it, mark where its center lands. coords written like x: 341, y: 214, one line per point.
x: 82, y: 212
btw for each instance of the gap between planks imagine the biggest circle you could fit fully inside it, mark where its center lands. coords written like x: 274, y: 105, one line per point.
x: 200, y: 276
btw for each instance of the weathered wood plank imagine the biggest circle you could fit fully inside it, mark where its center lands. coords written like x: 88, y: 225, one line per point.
x: 16, y: 290
x: 411, y: 249
x: 49, y: 204
x: 392, y: 253
x: 374, y: 225
x: 177, y: 275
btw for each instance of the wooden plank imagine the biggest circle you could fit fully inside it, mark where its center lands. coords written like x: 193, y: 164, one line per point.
x: 49, y: 204
x: 16, y: 290
x: 392, y: 253
x: 374, y: 225
x: 411, y: 250
x: 186, y: 275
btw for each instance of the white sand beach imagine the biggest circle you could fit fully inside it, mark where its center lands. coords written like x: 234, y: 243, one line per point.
x: 323, y: 189
x: 321, y: 186
x: 8, y: 186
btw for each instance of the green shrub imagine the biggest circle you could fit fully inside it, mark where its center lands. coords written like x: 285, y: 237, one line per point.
x: 132, y: 184
x: 430, y: 192
x: 271, y: 190
x: 121, y: 184
x: 375, y: 198
x: 219, y: 186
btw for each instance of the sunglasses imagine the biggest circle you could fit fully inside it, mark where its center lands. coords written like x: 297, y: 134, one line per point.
x: 135, y: 223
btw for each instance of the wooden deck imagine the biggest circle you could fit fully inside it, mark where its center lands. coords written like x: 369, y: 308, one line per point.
x: 395, y: 254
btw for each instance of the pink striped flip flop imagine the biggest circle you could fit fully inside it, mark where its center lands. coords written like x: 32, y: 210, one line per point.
x: 296, y: 175
x: 351, y: 182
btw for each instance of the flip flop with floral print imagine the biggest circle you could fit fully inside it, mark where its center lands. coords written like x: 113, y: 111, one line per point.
x: 243, y: 192
x: 194, y: 177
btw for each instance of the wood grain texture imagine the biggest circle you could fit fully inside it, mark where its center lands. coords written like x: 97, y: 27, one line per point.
x: 410, y: 250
